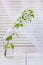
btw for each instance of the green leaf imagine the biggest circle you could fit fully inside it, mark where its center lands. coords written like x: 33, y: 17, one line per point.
x: 30, y: 11
x: 21, y: 24
x: 27, y: 15
x: 32, y: 15
x: 9, y: 38
x: 23, y: 17
x: 6, y: 47
x: 12, y: 45
x: 17, y: 25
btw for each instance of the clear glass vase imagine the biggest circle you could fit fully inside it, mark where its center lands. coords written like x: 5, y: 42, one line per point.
x: 9, y: 53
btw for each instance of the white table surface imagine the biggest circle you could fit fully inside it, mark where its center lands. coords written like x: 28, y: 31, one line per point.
x: 32, y: 59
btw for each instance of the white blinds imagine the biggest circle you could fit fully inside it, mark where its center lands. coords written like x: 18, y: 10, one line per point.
x: 4, y: 22
x: 11, y: 9
x: 7, y: 17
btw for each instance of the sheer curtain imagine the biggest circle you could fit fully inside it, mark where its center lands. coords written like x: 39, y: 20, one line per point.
x: 34, y: 30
